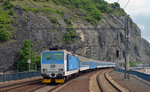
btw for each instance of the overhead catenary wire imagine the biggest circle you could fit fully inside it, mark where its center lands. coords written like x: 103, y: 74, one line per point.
x: 118, y: 1
x: 126, y: 4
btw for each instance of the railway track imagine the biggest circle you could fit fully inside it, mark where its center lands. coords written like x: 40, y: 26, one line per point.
x: 104, y: 83
x: 35, y: 87
x: 15, y: 86
x: 31, y: 86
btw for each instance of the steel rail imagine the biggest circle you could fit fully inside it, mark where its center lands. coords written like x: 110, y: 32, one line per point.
x: 102, y: 89
x: 18, y: 85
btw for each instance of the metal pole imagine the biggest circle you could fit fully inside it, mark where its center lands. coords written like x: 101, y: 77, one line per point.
x: 125, y: 75
x: 127, y: 55
x: 99, y: 53
x: 29, y: 28
x: 3, y: 77
x: 29, y: 51
x: 91, y: 51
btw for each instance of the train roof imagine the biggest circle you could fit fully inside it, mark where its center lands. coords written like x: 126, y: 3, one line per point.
x: 59, y: 50
x: 80, y: 57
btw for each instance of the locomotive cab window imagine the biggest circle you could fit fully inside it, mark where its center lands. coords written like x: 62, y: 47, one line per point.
x: 58, y: 56
x: 47, y: 56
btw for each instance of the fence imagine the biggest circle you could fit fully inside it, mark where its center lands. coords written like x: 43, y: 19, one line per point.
x: 138, y: 74
x: 19, y: 75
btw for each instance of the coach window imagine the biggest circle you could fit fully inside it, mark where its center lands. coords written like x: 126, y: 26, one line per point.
x: 58, y: 56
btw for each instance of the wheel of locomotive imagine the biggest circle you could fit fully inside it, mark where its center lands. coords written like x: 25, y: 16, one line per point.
x: 66, y: 78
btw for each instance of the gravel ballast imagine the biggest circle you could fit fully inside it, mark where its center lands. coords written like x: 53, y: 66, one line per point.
x: 79, y: 84
x: 134, y: 84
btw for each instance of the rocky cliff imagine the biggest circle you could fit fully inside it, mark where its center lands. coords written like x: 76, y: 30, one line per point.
x: 96, y: 42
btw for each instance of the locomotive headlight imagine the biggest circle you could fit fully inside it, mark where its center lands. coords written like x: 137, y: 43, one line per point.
x: 60, y: 69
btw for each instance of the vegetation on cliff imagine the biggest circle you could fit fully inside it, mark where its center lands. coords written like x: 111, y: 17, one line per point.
x: 6, y: 13
x: 70, y: 35
x: 92, y: 8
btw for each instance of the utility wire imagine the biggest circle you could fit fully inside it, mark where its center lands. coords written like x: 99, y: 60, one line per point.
x: 127, y: 4
x: 118, y: 1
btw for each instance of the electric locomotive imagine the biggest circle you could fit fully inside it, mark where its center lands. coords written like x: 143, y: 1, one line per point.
x: 56, y: 66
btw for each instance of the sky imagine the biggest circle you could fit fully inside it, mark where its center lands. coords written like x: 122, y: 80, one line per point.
x: 139, y: 11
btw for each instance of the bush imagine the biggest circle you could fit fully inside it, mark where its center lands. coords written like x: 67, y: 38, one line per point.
x: 132, y: 63
x: 1, y: 1
x: 91, y: 20
x: 70, y: 35
x: 4, y: 20
x: 11, y: 12
x: 77, y: 3
x: 117, y: 10
x: 47, y: 10
x: 61, y: 13
x: 35, y: 10
x: 53, y: 20
x: 115, y: 5
x: 7, y: 4
x: 41, y: 0
x: 68, y: 21
x: 56, y: 2
x: 4, y: 34
x: 96, y: 15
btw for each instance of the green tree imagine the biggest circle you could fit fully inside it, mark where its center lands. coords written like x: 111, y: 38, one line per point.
x: 36, y: 64
x: 115, y: 5
x: 132, y: 63
x: 23, y: 56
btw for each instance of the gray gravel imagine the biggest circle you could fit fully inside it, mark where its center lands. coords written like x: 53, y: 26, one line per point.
x: 133, y: 84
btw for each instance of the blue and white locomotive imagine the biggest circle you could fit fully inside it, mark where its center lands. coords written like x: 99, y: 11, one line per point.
x: 58, y: 66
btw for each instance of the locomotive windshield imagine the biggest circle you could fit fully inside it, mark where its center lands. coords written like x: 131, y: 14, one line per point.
x: 58, y: 56
x: 47, y: 56
x: 52, y: 57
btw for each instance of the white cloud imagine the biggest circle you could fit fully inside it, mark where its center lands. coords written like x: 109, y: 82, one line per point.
x: 135, y: 7
x: 143, y: 11
x: 139, y: 11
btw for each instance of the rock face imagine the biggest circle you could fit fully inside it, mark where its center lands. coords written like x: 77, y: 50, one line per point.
x: 100, y: 42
